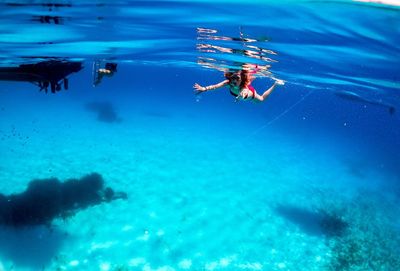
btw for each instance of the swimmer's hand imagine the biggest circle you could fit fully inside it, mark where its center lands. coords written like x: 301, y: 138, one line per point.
x: 279, y: 82
x: 199, y: 89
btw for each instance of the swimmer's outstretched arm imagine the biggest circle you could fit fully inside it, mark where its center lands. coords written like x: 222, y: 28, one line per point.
x: 264, y: 96
x: 199, y: 88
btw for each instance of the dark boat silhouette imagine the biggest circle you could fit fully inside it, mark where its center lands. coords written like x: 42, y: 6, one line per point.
x: 51, y: 73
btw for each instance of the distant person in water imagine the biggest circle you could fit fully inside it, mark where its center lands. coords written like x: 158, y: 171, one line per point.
x: 108, y: 70
x: 239, y: 84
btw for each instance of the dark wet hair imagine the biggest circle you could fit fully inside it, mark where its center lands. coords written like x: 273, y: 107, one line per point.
x: 111, y: 66
x: 243, y: 75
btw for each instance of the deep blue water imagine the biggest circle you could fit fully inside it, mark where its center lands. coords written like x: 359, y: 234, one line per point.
x: 307, y: 180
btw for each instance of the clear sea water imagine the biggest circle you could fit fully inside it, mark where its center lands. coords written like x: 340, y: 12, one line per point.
x: 307, y: 180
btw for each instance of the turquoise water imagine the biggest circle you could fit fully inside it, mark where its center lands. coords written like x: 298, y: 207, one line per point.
x: 308, y: 180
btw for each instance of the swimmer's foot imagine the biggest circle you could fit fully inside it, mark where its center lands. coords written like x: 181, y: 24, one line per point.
x: 279, y: 82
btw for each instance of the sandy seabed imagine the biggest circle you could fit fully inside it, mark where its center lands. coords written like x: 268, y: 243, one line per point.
x: 198, y: 199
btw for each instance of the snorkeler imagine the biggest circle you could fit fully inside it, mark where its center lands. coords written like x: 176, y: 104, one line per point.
x: 239, y: 84
x: 108, y: 70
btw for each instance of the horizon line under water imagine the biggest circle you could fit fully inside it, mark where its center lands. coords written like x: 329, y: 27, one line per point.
x: 136, y: 172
